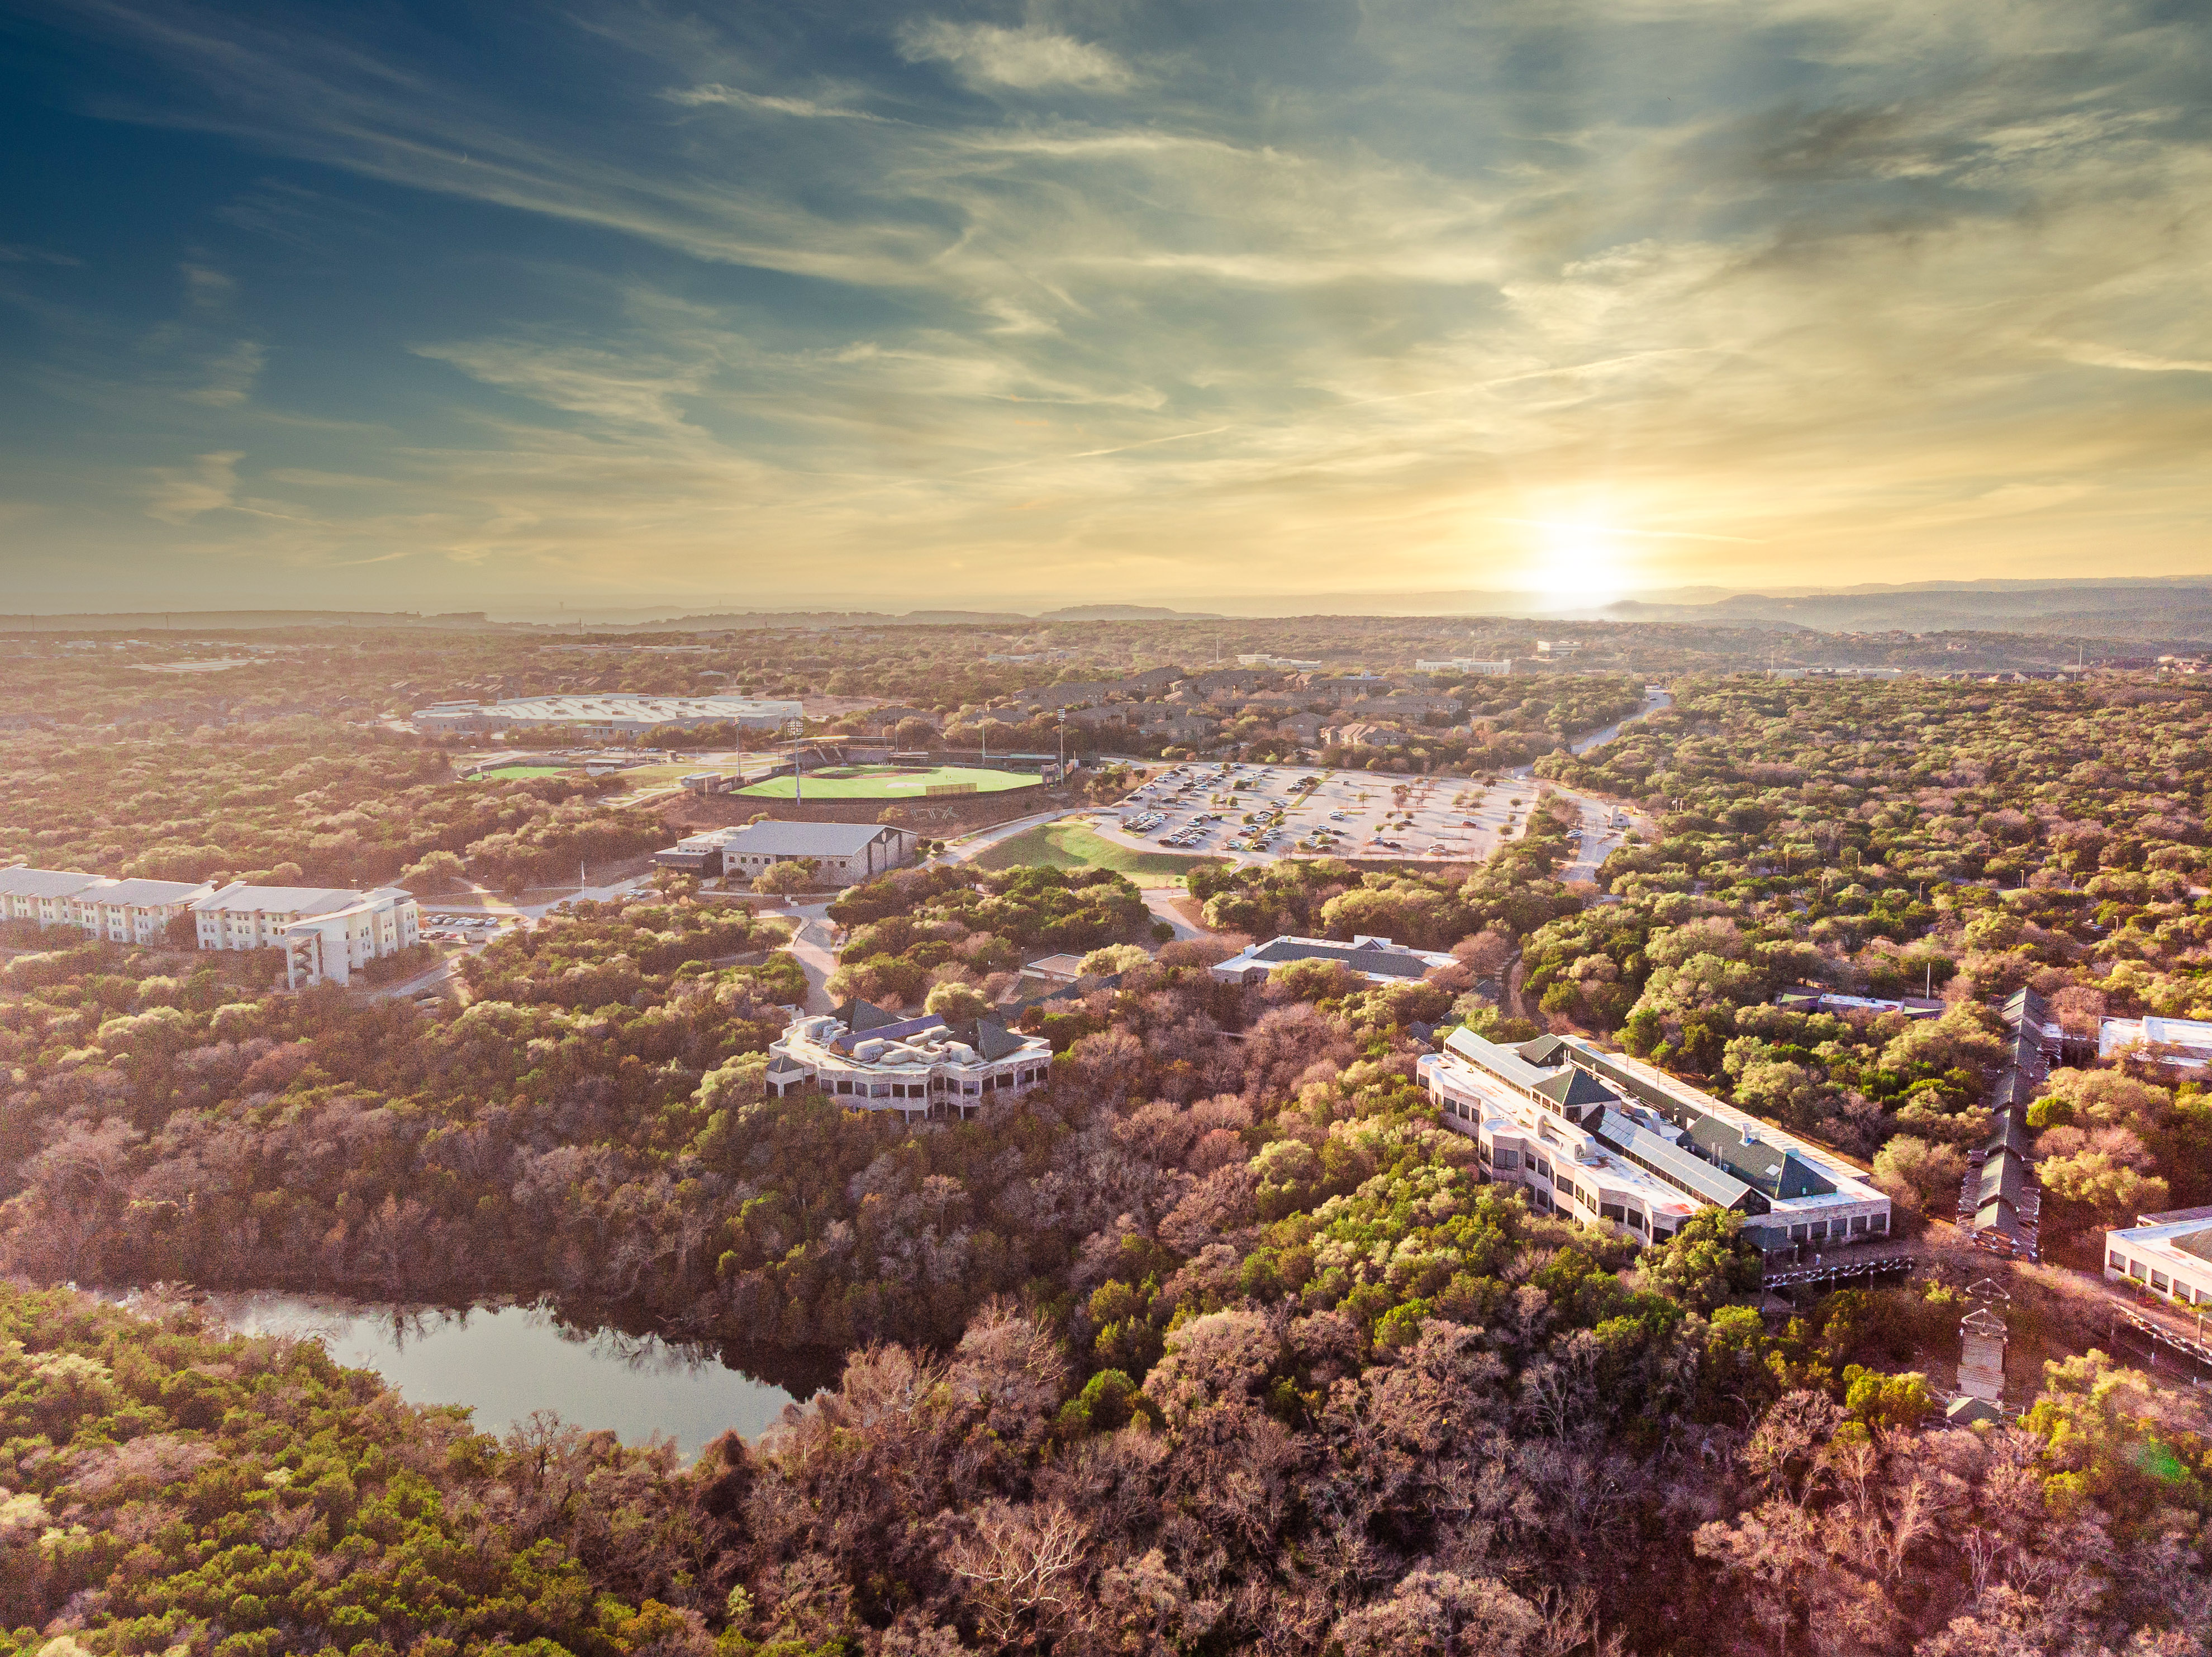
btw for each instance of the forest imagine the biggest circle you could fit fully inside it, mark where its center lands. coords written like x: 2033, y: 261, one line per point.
x: 1217, y: 1342
x: 954, y: 923
x: 1904, y: 837
x: 301, y: 802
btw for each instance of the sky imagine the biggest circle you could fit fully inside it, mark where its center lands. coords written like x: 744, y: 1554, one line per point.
x: 1211, y: 304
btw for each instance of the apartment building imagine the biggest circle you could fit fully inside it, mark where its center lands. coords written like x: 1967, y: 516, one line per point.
x: 927, y: 1071
x: 119, y: 912
x: 326, y: 933
x: 1610, y: 1140
x: 1468, y: 667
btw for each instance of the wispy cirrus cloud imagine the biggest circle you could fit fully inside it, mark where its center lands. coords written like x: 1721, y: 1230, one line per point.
x: 693, y: 97
x: 1026, y: 58
x: 1355, y: 296
x: 179, y: 494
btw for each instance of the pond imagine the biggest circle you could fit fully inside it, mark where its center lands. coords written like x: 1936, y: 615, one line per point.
x: 506, y: 1361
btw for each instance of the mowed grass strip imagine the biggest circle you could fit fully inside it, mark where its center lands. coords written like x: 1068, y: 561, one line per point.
x: 1071, y: 845
x: 508, y: 773
x: 889, y: 783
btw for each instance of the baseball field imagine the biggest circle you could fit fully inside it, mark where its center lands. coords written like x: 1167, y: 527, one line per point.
x: 890, y: 783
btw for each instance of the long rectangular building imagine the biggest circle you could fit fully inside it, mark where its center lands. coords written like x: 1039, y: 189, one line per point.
x: 611, y: 715
x: 1606, y: 1139
x: 326, y: 932
x: 118, y: 911
x: 842, y: 852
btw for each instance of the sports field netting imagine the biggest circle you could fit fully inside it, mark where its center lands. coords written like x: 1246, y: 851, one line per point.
x: 890, y: 783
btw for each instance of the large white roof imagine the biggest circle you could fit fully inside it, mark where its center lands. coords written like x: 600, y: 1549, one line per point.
x: 291, y: 899
x: 595, y: 709
x: 45, y: 882
x: 785, y: 839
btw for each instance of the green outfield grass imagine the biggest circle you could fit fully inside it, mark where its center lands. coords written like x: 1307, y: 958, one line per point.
x: 1071, y: 845
x: 508, y: 773
x: 888, y: 783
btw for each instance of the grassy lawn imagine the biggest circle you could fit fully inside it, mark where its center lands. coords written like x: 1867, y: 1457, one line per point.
x: 639, y: 779
x: 888, y: 783
x: 1071, y: 845
x: 508, y: 773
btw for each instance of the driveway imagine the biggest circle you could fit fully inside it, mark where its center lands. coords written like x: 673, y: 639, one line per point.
x: 1160, y: 900
x: 813, y: 948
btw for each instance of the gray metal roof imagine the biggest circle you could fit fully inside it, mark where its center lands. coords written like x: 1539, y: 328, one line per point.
x: 1361, y: 958
x: 44, y: 882
x: 149, y: 892
x: 1755, y: 1162
x: 786, y: 839
x: 1648, y: 1150
x: 1572, y: 1087
x: 2005, y: 1177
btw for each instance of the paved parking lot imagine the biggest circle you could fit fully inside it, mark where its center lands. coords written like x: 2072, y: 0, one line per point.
x: 1255, y: 813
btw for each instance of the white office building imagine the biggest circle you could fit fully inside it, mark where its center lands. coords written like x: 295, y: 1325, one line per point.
x: 1610, y: 1140
x: 2176, y: 1044
x: 326, y: 933
x: 927, y: 1071
x: 2169, y: 1254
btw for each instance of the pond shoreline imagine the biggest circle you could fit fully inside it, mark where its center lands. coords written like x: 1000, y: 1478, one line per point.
x: 507, y: 1357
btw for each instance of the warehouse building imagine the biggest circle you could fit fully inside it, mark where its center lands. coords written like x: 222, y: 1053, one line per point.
x: 611, y: 716
x: 927, y: 1071
x: 1608, y: 1140
x: 842, y: 852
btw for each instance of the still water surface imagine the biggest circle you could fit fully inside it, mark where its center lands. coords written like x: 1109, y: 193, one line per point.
x: 504, y: 1362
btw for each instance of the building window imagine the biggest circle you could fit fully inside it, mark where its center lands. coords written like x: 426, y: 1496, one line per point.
x: 2135, y: 1269
x: 1858, y: 1225
x: 2116, y: 1261
x: 2159, y: 1282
